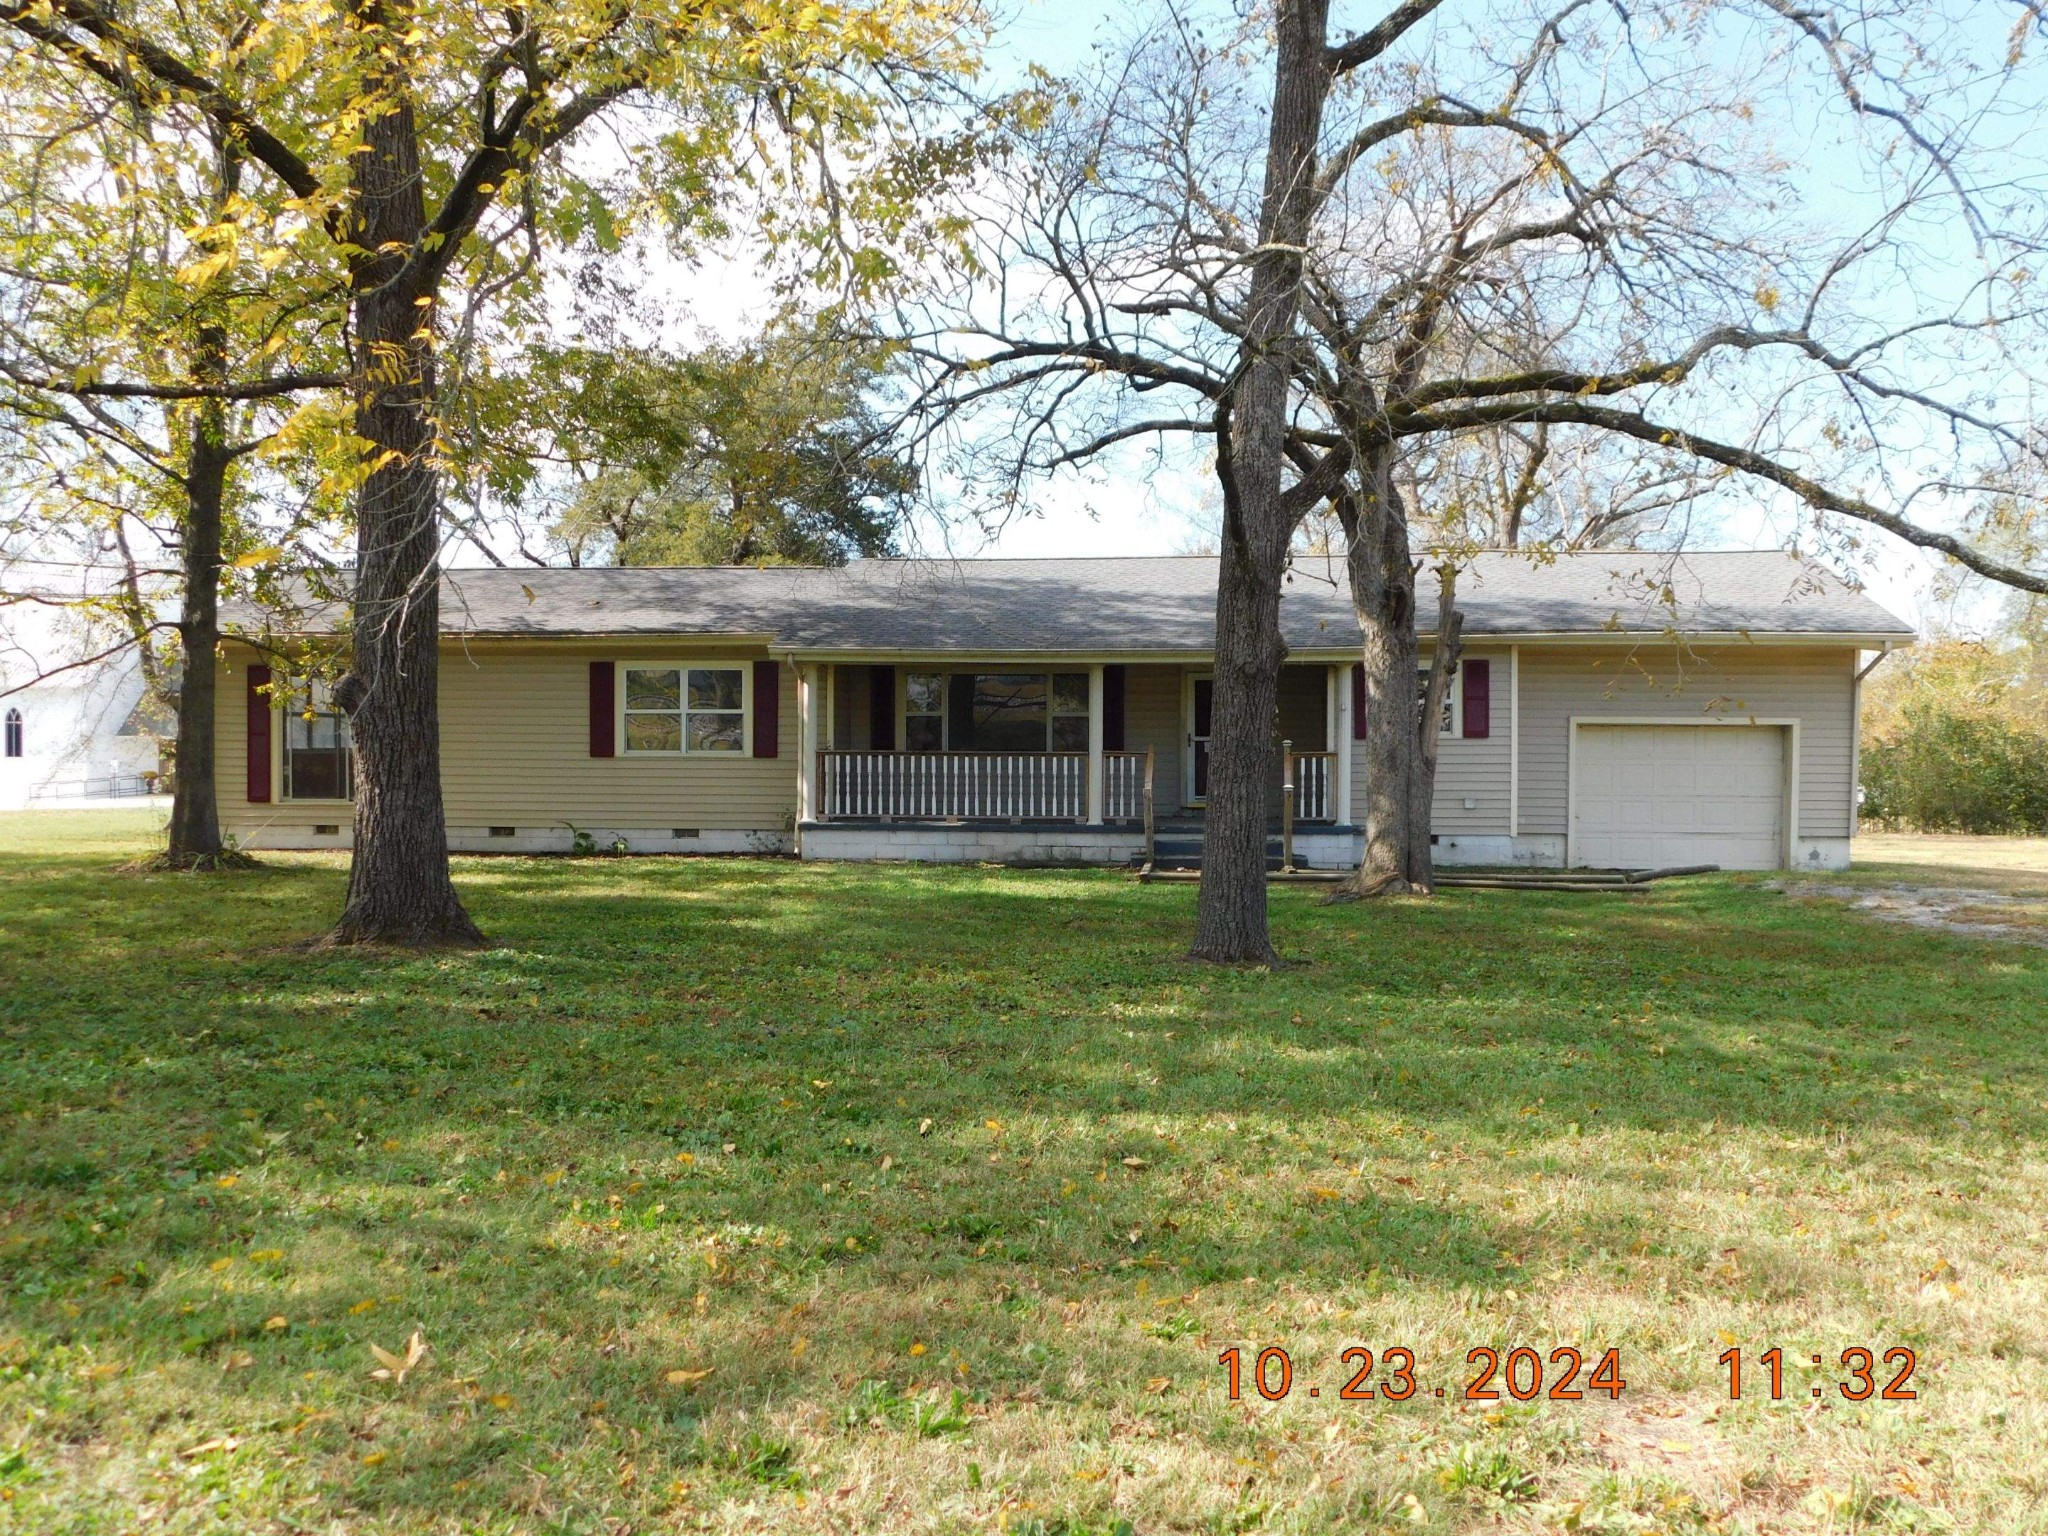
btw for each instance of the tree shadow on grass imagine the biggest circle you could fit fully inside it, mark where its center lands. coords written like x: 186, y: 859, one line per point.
x: 691, y: 1114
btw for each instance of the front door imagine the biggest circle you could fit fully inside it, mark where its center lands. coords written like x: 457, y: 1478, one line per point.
x: 1201, y: 710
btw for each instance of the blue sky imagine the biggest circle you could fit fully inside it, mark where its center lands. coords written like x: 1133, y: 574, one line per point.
x: 1139, y: 505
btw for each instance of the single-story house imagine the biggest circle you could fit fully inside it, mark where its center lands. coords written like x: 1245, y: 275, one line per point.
x: 1612, y: 709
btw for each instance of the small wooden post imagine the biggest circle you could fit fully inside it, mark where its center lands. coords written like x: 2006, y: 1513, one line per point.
x: 1151, y: 826
x: 1287, y: 808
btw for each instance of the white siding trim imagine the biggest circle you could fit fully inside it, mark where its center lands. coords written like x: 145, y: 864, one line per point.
x: 1340, y: 727
x: 1095, y: 737
x: 1514, y: 741
x: 807, y: 704
x: 1788, y: 841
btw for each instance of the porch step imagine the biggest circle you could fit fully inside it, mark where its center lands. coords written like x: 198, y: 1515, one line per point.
x: 1181, y: 850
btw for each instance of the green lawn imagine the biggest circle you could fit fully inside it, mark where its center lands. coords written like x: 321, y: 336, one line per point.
x: 736, y: 1195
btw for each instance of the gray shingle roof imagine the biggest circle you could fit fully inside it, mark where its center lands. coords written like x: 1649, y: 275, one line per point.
x: 1145, y: 604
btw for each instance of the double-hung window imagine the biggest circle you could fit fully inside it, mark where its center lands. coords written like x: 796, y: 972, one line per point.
x: 1451, y: 718
x: 1070, y: 712
x: 318, y: 763
x: 685, y: 709
x: 924, y: 712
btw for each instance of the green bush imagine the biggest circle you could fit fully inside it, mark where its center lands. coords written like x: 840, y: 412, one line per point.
x: 1946, y: 767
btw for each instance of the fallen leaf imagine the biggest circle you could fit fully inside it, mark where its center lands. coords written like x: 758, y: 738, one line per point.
x: 394, y: 1368
x: 220, y: 1264
x: 888, y: 1163
x: 1158, y: 1384
x: 266, y: 1255
x: 1323, y: 1193
x: 924, y: 1127
x: 1675, y: 1447
x: 503, y: 1400
x: 208, y: 1447
x: 1134, y: 1162
x: 239, y: 1362
x: 272, y: 1324
x: 373, y: 1458
x: 688, y: 1378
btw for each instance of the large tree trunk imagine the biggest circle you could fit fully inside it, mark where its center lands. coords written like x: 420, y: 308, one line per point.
x: 1401, y: 732
x: 399, y: 890
x: 195, y: 841
x: 1230, y: 918
x: 1258, y: 523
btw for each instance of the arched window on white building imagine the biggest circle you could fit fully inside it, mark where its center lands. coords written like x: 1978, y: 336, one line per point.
x: 14, y: 733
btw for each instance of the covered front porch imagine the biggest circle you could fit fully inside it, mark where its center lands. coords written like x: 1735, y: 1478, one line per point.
x: 1006, y: 744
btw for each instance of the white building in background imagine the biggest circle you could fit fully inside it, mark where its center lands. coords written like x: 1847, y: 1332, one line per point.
x: 81, y: 735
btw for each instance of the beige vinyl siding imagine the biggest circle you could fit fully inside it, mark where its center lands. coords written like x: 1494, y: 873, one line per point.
x: 515, y: 748
x: 1662, y: 681
x: 1476, y: 770
x: 851, y: 706
x: 1154, y: 716
x: 1304, y: 701
x: 231, y: 755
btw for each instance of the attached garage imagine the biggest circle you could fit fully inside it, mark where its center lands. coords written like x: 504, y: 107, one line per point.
x: 1659, y: 795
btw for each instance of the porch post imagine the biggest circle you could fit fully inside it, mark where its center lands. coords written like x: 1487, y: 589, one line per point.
x: 1095, y: 746
x: 1339, y: 715
x: 809, y: 739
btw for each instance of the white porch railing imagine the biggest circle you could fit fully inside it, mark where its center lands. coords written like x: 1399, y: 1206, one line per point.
x: 954, y: 786
x: 1123, y: 786
x: 1314, y: 776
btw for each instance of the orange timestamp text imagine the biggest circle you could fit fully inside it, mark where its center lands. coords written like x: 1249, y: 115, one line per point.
x: 1522, y: 1373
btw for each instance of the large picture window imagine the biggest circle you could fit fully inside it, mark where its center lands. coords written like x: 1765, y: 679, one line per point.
x: 995, y: 712
x: 318, y: 763
x: 685, y: 709
x: 1010, y: 711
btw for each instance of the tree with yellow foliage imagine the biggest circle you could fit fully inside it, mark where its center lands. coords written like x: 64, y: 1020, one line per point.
x: 410, y: 140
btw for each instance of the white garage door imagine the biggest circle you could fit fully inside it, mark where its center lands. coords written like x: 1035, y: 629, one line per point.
x: 1654, y: 796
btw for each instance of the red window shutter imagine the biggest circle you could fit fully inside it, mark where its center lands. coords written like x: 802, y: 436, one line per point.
x: 1478, y: 677
x: 767, y: 708
x: 1358, y: 701
x: 604, y: 698
x: 1114, y: 682
x: 881, y: 709
x: 259, y: 735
